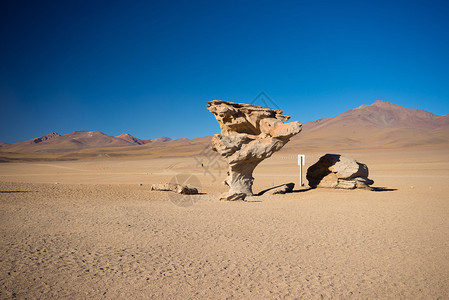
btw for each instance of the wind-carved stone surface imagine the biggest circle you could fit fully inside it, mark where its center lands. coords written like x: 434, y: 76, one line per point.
x: 340, y: 172
x: 249, y: 134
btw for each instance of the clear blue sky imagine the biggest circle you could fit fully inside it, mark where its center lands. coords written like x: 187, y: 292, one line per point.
x: 149, y: 67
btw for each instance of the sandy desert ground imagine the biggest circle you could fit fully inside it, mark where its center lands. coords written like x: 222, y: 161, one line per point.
x: 101, y: 233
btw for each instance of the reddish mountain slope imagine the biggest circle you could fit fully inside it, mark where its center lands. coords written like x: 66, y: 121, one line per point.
x: 381, y: 124
x: 131, y: 139
x: 383, y: 114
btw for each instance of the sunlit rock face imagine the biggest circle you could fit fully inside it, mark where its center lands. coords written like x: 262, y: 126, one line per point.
x: 336, y: 171
x: 249, y: 134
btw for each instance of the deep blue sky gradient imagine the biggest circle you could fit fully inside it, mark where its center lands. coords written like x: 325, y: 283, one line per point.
x: 149, y: 67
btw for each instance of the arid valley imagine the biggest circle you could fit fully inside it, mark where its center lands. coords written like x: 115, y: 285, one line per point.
x: 78, y: 218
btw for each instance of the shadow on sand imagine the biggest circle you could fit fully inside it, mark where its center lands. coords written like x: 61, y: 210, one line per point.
x: 12, y: 192
x: 382, y: 189
x: 275, y: 187
x: 306, y: 189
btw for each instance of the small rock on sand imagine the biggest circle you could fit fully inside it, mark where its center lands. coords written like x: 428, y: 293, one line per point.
x: 173, y: 187
x: 285, y: 188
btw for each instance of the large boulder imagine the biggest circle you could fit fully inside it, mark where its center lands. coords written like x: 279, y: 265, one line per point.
x: 336, y: 171
x: 249, y: 134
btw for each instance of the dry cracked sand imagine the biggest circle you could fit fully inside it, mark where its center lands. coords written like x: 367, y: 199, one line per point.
x: 101, y: 232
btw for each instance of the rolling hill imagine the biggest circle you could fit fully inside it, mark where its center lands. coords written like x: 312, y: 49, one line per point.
x: 75, y: 141
x: 69, y: 142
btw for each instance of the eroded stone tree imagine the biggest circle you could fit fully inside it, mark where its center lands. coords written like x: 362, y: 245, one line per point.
x: 249, y: 134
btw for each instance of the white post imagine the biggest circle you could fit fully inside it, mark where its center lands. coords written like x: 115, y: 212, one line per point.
x: 301, y: 162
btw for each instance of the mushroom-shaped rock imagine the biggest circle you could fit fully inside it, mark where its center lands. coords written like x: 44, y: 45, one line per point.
x: 336, y: 171
x: 249, y: 134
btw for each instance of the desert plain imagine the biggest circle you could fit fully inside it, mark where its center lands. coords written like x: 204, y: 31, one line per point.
x: 93, y: 229
x: 78, y: 220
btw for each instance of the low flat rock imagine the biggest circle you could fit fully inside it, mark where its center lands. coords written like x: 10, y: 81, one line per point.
x: 282, y: 189
x: 232, y: 197
x: 173, y: 187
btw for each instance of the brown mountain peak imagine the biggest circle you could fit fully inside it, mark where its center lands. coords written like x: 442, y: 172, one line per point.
x: 379, y: 115
x: 129, y: 138
x: 383, y: 103
x: 379, y: 104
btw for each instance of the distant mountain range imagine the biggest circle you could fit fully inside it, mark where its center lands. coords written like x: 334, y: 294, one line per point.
x: 77, y: 140
x: 379, y: 125
x: 135, y: 141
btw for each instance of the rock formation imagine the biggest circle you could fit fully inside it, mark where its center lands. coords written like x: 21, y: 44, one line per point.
x: 43, y: 138
x: 336, y: 171
x: 249, y: 134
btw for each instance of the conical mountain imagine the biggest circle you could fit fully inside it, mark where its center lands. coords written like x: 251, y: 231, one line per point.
x: 129, y: 138
x: 381, y: 124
